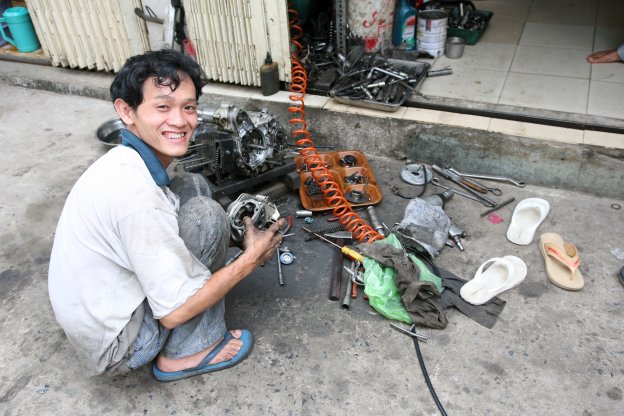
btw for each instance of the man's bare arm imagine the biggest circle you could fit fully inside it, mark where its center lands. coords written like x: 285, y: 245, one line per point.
x: 259, y: 248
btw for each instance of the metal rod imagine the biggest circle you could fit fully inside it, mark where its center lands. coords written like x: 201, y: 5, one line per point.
x: 408, y: 332
x: 321, y: 237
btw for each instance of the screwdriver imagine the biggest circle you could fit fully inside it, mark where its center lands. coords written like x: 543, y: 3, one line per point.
x: 352, y: 254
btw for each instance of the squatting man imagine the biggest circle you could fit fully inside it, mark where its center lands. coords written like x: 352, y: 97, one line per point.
x: 137, y: 271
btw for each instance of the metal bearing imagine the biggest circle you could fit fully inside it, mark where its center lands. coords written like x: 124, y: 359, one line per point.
x: 286, y: 258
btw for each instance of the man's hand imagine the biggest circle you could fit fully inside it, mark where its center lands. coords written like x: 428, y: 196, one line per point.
x: 261, y: 245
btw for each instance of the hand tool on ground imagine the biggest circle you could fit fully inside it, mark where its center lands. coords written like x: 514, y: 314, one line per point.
x: 458, y: 180
x: 278, y: 250
x: 519, y: 184
x: 352, y: 254
x: 456, y: 233
x: 346, y: 300
x: 374, y: 219
x: 335, y: 280
x: 436, y: 182
x: 497, y: 207
x: 477, y: 186
x: 279, y: 268
x: 411, y: 332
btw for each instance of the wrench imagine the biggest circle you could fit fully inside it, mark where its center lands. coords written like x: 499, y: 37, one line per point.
x: 436, y: 182
x: 479, y: 187
x: 458, y: 180
x: 519, y: 184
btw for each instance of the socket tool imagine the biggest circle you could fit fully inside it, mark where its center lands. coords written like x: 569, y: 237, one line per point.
x: 459, y: 181
x: 352, y: 254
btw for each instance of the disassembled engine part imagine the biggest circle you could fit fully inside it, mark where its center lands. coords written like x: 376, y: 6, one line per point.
x: 303, y: 213
x: 231, y: 142
x: 259, y: 208
x: 416, y: 174
x: 348, y: 160
x: 356, y: 196
x: 286, y: 258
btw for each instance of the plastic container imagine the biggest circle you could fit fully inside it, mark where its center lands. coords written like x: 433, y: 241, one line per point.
x: 455, y: 47
x: 431, y: 31
x: 269, y: 76
x: 471, y: 36
x: 24, y: 37
x: 404, y: 25
x: 345, y: 176
x: 4, y: 4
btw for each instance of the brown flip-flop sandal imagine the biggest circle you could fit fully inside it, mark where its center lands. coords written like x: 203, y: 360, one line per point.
x: 562, y: 262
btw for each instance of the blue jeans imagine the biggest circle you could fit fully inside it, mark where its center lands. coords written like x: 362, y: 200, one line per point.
x: 205, y: 229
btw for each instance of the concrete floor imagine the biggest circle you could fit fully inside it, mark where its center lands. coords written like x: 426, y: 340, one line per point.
x: 552, y: 352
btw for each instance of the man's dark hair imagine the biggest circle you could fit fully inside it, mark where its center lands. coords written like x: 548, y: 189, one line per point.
x: 166, y: 66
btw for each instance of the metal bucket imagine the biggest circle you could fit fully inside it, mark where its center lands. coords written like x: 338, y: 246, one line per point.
x: 431, y: 31
x: 455, y: 47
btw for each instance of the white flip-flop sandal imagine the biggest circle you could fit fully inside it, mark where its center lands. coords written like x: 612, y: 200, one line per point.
x: 501, y: 275
x: 527, y: 216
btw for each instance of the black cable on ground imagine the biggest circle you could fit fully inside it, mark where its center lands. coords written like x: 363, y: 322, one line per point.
x: 397, y: 191
x: 421, y: 361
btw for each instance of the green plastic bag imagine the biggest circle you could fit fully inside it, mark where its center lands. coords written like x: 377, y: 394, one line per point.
x: 383, y: 294
x: 380, y: 284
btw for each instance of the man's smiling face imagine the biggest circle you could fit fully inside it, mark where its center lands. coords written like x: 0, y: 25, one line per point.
x: 165, y: 120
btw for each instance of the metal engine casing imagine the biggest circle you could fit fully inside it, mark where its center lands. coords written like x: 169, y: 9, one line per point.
x: 259, y: 208
x: 231, y: 143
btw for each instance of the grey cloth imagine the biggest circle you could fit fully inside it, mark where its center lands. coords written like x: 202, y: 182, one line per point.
x: 486, y: 314
x: 205, y: 229
x: 422, y: 300
x: 416, y: 295
x: 425, y: 225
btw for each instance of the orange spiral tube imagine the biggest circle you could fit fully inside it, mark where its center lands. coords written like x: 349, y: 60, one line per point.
x: 332, y: 192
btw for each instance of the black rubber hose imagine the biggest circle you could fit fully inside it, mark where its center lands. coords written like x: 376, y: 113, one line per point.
x: 425, y: 374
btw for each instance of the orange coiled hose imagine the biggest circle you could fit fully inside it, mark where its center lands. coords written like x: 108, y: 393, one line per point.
x: 332, y: 192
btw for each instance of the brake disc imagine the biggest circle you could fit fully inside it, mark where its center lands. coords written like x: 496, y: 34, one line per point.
x: 416, y: 174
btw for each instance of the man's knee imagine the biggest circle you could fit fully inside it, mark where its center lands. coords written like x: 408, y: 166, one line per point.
x: 188, y: 185
x: 205, y: 228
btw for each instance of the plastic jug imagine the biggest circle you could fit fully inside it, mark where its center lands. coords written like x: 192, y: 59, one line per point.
x: 404, y: 26
x: 22, y: 30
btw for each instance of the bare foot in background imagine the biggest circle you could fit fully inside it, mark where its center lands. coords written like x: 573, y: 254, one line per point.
x: 604, y: 57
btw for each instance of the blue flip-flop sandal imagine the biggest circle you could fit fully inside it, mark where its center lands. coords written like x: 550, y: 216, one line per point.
x: 203, y: 367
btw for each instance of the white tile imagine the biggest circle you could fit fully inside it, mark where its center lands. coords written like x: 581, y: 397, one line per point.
x: 517, y: 10
x: 333, y: 105
x: 278, y: 97
x: 447, y: 118
x: 605, y: 99
x: 481, y: 85
x: 536, y: 131
x: 608, y: 38
x: 229, y: 90
x: 565, y: 12
x: 546, y: 92
x: 551, y: 61
x: 505, y: 31
x: 610, y: 13
x: 600, y: 138
x: 315, y: 101
x: 557, y: 36
x: 613, y: 72
x: 483, y: 55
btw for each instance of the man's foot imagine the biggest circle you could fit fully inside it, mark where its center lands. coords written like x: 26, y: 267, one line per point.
x: 604, y: 57
x: 230, y: 351
x: 226, y: 353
